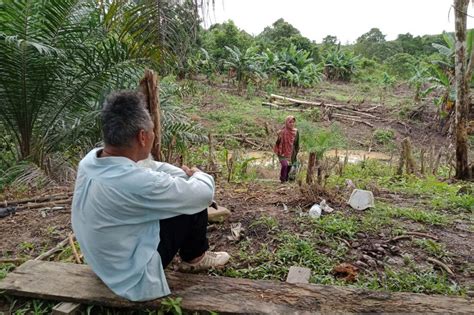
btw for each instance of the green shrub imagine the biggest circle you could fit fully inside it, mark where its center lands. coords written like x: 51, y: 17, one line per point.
x: 383, y: 136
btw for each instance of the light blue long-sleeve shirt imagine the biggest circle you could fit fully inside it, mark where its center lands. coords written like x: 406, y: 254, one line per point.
x: 116, y: 210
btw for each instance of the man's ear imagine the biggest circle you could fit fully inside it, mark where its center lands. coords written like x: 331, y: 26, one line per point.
x: 141, y: 137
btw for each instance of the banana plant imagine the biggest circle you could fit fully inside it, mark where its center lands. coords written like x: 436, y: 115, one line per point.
x: 442, y: 72
x: 245, y: 65
x: 340, y: 64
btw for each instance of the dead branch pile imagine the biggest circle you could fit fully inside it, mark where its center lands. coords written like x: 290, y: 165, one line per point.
x: 329, y: 111
x: 245, y: 139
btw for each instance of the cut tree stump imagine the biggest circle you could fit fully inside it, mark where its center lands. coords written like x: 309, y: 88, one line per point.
x: 78, y: 284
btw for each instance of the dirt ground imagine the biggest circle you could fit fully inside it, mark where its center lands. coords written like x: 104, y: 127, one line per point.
x: 28, y: 233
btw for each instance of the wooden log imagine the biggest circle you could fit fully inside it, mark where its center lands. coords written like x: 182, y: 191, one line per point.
x: 37, y: 199
x: 62, y: 202
x: 283, y: 108
x: 303, y: 102
x: 78, y: 284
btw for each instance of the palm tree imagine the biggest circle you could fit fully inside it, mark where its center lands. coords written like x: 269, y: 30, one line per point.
x: 59, y: 58
x: 56, y: 58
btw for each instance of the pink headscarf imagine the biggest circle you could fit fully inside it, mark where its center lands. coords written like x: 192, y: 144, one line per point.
x: 286, y: 138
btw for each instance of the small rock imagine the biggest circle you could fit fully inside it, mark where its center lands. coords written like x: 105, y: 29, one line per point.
x: 366, y: 257
x: 217, y: 215
x: 370, y: 261
x: 360, y: 235
x: 394, y: 249
x: 396, y: 261
x: 379, y: 263
x: 463, y: 235
x: 361, y: 264
x: 380, y: 250
x: 355, y: 244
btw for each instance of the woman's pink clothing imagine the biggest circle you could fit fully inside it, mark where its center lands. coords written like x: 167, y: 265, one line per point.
x: 286, y: 139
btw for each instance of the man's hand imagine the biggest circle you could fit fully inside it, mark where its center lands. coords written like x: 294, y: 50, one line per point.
x: 190, y: 171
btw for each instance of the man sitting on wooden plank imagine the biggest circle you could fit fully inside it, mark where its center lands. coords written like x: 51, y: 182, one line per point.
x: 130, y: 221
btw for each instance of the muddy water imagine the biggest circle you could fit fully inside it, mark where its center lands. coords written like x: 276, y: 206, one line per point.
x: 267, y: 159
x: 354, y: 156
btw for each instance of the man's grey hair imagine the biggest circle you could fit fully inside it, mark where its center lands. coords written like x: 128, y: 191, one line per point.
x: 123, y: 115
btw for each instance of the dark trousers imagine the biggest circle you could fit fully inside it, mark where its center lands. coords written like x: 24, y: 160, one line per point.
x: 183, y: 233
x: 285, y: 169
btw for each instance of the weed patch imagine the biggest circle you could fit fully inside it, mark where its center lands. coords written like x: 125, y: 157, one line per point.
x: 417, y: 215
x: 418, y: 281
x: 337, y: 225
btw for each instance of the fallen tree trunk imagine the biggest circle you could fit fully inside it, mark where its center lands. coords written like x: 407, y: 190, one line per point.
x: 302, y: 102
x: 279, y: 107
x: 77, y: 283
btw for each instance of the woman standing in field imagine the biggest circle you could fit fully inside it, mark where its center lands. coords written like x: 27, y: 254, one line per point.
x: 287, y: 147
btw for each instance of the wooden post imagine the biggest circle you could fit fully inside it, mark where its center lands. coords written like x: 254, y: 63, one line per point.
x: 410, y: 161
x: 311, y: 166
x: 401, y: 162
x: 210, y: 159
x: 422, y: 161
x: 463, y: 74
x: 150, y: 88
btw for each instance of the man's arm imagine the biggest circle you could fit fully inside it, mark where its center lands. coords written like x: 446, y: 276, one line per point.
x: 176, y: 195
x: 163, y: 167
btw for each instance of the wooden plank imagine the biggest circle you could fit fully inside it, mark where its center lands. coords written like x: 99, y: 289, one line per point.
x: 298, y: 275
x: 77, y: 283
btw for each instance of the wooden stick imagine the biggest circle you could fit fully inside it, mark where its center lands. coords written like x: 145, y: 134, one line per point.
x: 423, y: 235
x: 400, y: 237
x: 74, y: 250
x: 358, y: 112
x: 370, y: 109
x: 53, y: 250
x: 441, y: 264
x: 357, y: 120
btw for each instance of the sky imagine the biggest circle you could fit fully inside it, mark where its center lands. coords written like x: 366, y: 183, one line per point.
x: 346, y: 19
